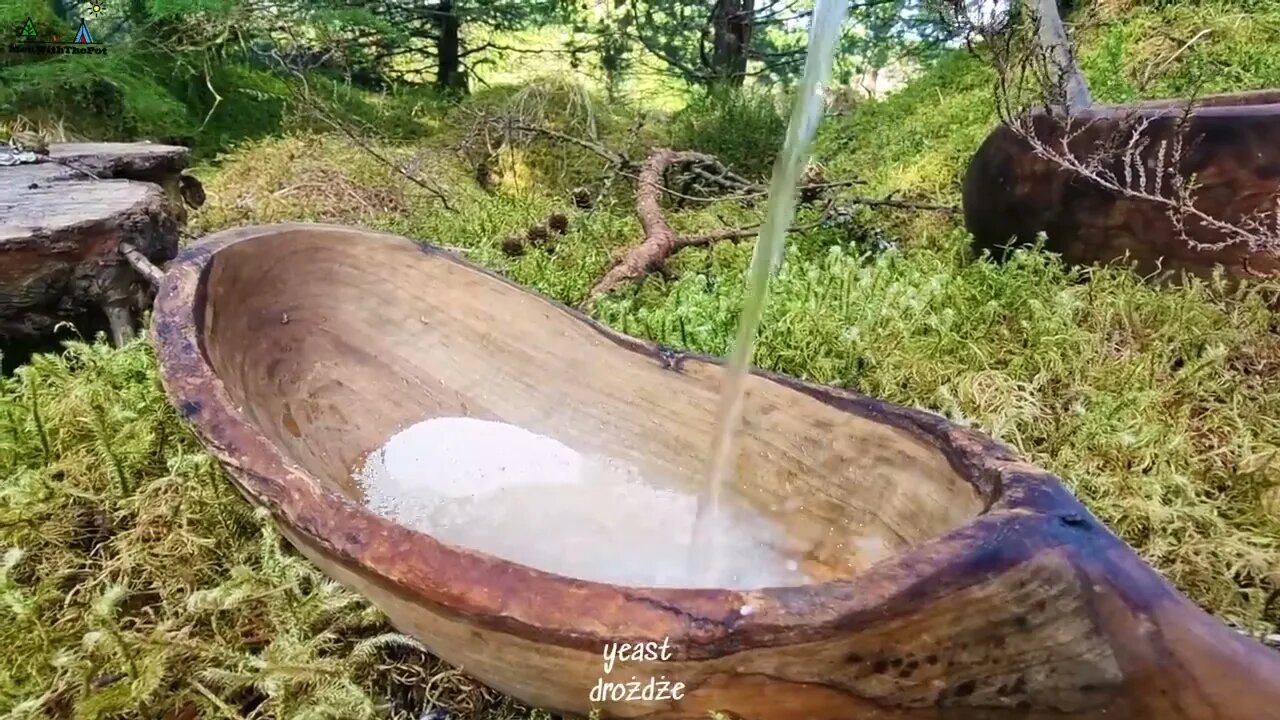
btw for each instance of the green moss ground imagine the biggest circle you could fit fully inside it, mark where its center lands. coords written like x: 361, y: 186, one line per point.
x: 135, y: 583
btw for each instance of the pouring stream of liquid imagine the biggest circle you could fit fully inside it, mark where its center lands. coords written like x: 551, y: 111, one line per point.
x: 824, y: 33
x: 516, y: 493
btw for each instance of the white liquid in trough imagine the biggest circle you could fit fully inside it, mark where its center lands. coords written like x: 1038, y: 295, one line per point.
x: 506, y: 491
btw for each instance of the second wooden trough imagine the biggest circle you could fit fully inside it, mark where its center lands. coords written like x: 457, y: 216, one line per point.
x: 1017, y: 185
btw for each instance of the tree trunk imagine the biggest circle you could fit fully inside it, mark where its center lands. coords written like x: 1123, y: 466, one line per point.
x: 1070, y: 91
x: 449, y: 73
x: 732, y: 22
x: 873, y: 77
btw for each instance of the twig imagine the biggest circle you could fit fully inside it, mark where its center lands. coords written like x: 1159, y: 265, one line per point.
x: 741, y: 233
x: 226, y: 709
x: 660, y: 241
x: 616, y: 158
x: 727, y: 178
x: 145, y: 267
x: 73, y: 165
x: 1146, y: 77
x: 615, y: 169
x: 217, y: 99
x: 315, y: 108
x: 900, y: 204
x: 810, y: 186
x: 752, y: 230
x: 359, y: 142
x: 619, y: 163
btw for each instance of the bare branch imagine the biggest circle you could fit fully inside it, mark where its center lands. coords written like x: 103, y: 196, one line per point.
x: 145, y: 267
x: 315, y: 107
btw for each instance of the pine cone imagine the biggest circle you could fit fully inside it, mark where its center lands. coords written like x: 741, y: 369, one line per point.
x: 559, y: 223
x: 513, y: 246
x: 538, y: 234
x: 582, y: 198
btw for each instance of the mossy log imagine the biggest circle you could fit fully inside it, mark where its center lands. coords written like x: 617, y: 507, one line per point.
x: 295, y: 350
x: 64, y: 221
x: 1230, y: 147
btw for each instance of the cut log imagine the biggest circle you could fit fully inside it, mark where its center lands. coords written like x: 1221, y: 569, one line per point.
x: 955, y: 581
x: 63, y: 221
x: 161, y: 165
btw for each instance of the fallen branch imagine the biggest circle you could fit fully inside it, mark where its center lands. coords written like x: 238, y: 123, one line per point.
x: 809, y: 187
x: 617, y: 159
x: 700, y: 165
x: 615, y: 169
x: 723, y: 177
x: 360, y: 143
x: 1152, y: 69
x: 741, y: 233
x: 659, y: 239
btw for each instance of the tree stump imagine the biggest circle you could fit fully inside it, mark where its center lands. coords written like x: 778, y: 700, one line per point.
x: 66, y: 221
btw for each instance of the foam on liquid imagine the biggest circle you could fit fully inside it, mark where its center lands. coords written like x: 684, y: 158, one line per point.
x: 506, y: 491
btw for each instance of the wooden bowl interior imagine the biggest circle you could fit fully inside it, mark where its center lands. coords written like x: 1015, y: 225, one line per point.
x: 330, y: 342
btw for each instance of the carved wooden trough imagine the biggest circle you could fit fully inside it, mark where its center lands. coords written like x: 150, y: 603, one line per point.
x: 1230, y: 147
x: 293, y: 350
